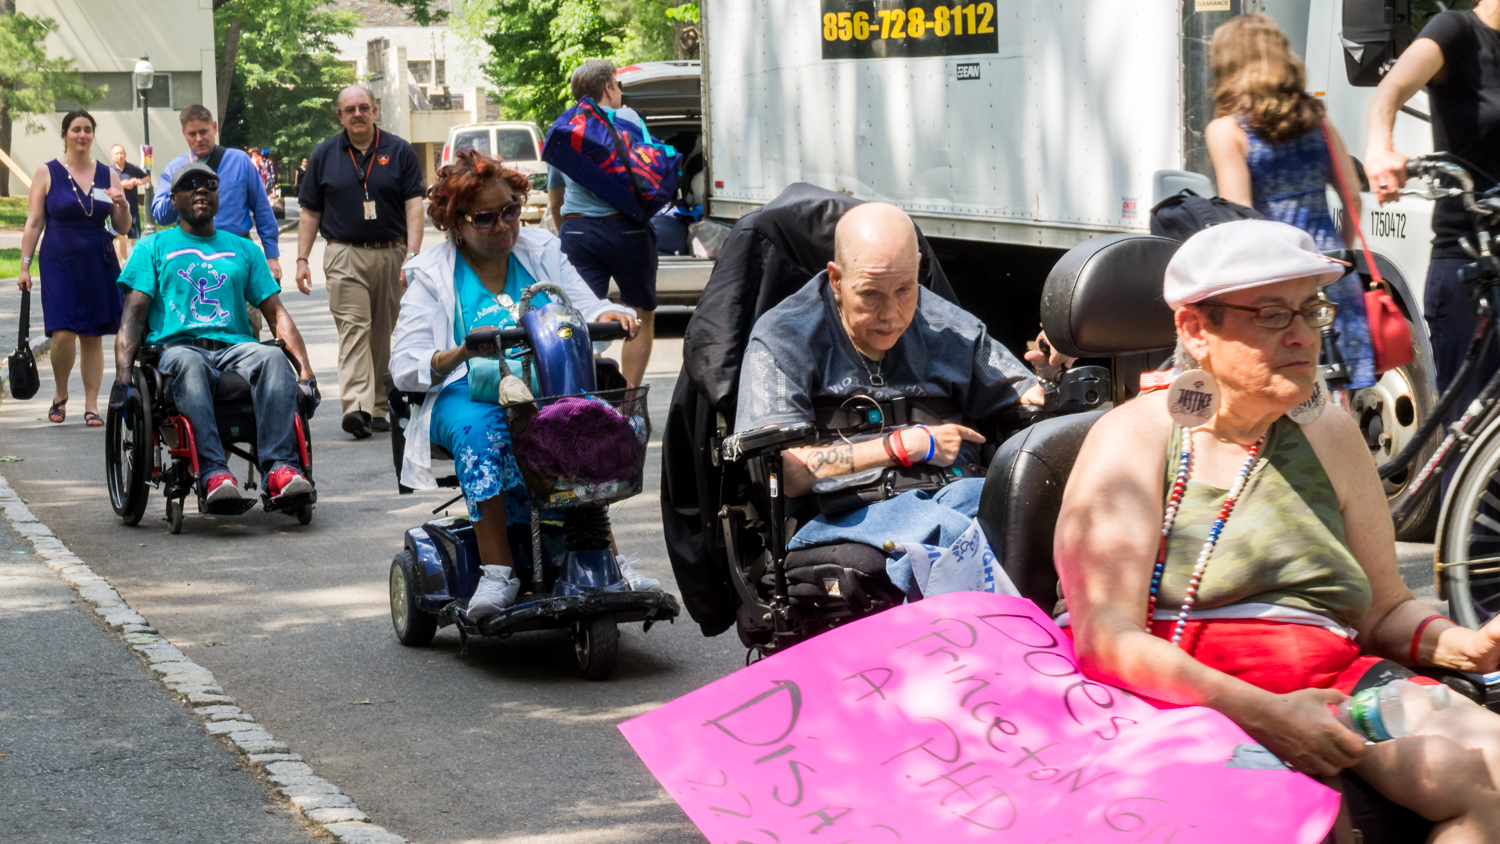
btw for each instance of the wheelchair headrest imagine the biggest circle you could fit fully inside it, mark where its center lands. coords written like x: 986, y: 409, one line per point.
x: 1104, y: 298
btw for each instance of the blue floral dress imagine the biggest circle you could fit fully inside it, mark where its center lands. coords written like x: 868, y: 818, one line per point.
x: 1288, y: 184
x: 475, y: 433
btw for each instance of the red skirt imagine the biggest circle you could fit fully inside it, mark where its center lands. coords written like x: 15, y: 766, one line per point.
x: 1277, y: 656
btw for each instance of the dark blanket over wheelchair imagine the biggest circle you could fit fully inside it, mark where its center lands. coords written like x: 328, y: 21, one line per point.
x: 154, y: 445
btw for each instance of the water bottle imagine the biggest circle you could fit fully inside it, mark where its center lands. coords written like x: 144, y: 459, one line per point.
x: 1396, y: 710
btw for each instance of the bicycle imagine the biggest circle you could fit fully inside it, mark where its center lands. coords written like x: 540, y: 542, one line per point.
x: 1467, y: 558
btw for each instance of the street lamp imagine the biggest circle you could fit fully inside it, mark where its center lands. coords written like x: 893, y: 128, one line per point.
x: 145, y: 75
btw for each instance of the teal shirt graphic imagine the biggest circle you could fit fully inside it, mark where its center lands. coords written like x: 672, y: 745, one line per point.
x: 198, y: 285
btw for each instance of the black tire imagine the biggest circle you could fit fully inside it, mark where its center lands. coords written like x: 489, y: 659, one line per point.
x: 414, y: 628
x: 127, y: 458
x: 596, y: 647
x: 1388, y: 415
x: 1470, y: 517
x: 175, y: 507
x: 304, y: 513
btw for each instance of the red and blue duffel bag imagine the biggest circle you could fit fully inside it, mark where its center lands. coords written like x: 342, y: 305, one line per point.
x: 617, y: 162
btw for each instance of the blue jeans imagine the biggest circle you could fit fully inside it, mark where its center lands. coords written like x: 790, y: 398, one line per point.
x: 273, y: 393
x: 915, y: 518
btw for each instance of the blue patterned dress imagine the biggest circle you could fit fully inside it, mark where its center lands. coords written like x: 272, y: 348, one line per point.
x: 1289, y: 184
x: 475, y: 433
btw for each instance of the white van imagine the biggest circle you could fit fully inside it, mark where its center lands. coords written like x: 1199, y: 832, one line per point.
x: 518, y: 143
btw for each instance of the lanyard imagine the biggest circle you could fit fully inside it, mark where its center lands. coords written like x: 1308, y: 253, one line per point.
x: 364, y: 181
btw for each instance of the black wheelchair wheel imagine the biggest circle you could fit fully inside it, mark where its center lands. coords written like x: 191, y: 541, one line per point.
x: 414, y: 628
x: 127, y: 457
x: 175, y: 508
x: 596, y: 647
x: 304, y: 513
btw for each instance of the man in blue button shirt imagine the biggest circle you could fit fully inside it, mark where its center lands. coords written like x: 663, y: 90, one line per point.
x: 243, y: 203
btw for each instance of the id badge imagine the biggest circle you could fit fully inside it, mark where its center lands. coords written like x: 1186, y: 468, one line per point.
x: 369, y: 209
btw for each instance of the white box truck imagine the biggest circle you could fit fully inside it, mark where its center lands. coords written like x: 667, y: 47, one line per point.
x: 1012, y: 130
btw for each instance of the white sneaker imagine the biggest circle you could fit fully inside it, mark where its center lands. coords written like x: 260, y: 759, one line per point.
x: 497, y: 590
x: 638, y: 582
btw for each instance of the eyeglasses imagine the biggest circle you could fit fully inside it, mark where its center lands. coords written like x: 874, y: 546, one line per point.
x: 1278, y: 317
x: 192, y: 183
x: 488, y: 219
x: 362, y: 108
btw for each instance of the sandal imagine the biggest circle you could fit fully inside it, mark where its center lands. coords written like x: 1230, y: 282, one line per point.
x: 92, y: 419
x: 57, y: 412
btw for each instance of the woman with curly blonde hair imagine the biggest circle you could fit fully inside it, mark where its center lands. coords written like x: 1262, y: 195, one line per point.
x: 1270, y: 152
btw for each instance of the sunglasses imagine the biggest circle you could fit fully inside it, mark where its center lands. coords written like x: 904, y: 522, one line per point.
x: 488, y: 219
x: 192, y: 183
x: 1277, y: 317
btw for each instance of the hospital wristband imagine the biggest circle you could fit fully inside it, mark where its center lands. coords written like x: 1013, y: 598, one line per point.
x: 1416, y: 641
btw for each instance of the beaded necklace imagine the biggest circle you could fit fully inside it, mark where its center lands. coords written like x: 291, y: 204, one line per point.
x: 1179, y: 486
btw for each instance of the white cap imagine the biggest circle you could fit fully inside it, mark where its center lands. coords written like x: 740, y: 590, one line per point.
x: 1244, y: 254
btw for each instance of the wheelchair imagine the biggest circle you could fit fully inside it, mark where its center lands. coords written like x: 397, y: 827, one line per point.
x: 726, y: 527
x: 153, y: 445
x: 573, y: 582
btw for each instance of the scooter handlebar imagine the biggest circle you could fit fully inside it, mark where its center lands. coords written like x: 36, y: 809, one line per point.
x: 506, y: 337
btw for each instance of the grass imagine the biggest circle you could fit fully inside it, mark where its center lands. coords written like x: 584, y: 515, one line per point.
x: 10, y: 263
x: 12, y: 212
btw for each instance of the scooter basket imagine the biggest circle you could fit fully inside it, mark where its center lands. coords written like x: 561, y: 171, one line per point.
x: 557, y: 492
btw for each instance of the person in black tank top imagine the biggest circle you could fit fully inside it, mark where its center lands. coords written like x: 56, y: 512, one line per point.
x: 1457, y: 59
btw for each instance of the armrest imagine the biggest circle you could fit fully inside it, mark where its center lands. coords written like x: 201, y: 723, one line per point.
x: 753, y: 443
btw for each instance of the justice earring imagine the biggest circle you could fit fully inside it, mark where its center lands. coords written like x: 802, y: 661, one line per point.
x: 1193, y: 398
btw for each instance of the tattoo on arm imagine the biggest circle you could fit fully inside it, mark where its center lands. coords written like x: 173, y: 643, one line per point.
x: 833, y: 460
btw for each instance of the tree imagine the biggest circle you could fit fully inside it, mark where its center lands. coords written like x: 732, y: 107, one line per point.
x: 535, y: 44
x: 281, y: 72
x: 31, y: 83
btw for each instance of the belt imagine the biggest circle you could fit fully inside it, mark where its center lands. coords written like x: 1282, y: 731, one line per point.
x: 858, y: 413
x: 586, y: 217
x: 206, y: 345
x: 385, y: 244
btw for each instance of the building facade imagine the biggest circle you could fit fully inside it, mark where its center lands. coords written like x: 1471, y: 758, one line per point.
x: 105, y: 40
x: 425, y: 81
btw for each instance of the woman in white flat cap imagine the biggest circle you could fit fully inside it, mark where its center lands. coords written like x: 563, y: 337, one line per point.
x: 1252, y: 531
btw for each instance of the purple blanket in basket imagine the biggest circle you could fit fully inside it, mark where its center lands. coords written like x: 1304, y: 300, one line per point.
x: 581, y: 438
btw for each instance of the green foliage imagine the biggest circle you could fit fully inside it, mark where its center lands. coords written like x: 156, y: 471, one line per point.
x: 31, y: 83
x: 286, y: 74
x: 687, y: 13
x: 535, y: 44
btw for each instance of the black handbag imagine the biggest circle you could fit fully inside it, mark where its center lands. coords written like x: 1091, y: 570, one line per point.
x: 23, y: 378
x: 1184, y: 214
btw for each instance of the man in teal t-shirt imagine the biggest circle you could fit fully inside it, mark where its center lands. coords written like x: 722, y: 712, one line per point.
x: 186, y: 288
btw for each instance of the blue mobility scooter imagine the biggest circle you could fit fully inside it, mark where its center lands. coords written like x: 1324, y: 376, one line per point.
x: 573, y: 581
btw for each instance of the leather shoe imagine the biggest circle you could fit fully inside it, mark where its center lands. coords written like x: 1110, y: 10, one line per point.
x: 357, y: 422
x: 380, y: 425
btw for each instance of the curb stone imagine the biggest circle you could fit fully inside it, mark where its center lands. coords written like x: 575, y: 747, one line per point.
x: 317, y: 800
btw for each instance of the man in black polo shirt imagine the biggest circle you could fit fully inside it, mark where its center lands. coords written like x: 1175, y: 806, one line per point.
x: 363, y: 192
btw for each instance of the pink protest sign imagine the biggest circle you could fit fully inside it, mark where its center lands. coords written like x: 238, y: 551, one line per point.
x: 961, y: 718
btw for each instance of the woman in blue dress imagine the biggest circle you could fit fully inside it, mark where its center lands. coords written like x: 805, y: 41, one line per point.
x: 471, y: 282
x: 1269, y: 152
x: 71, y: 200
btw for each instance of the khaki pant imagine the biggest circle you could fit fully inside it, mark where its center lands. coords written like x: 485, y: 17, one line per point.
x: 364, y: 296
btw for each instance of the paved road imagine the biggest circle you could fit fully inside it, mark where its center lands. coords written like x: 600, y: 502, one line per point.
x: 504, y: 745
x: 94, y: 747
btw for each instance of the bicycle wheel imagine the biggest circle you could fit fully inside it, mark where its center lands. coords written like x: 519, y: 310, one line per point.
x: 1469, y: 553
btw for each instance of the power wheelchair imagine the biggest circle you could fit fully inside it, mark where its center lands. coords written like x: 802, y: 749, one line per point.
x: 726, y: 523
x: 151, y: 444
x: 569, y: 577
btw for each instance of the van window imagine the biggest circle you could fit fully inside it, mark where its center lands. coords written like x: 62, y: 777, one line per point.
x: 516, y: 145
x: 475, y: 139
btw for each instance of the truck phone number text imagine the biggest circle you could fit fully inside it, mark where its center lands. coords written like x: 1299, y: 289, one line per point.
x: 880, y: 29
